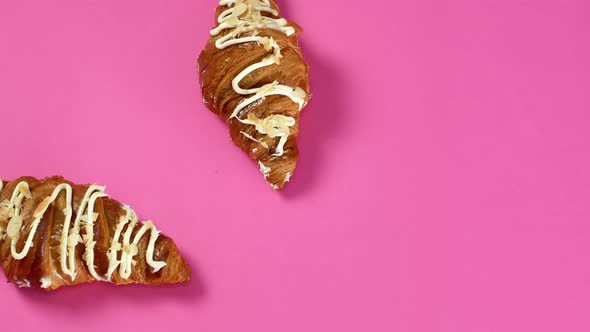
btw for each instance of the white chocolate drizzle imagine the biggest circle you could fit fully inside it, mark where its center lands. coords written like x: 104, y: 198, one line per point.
x: 129, y: 248
x: 45, y: 282
x: 70, y: 237
x: 263, y: 169
x: 23, y: 283
x: 245, y: 17
x: 264, y: 145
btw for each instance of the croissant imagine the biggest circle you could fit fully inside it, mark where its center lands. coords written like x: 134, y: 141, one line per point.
x: 253, y: 76
x: 54, y: 233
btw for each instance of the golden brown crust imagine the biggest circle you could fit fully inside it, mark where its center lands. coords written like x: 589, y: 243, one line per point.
x: 217, y: 69
x: 43, y: 259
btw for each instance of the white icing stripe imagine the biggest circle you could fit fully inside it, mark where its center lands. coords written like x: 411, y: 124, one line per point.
x: 243, y: 17
x: 115, y: 245
x: 45, y: 282
x: 89, y: 218
x: 130, y: 249
x: 124, y: 270
x: 148, y: 225
x: 263, y: 169
x: 236, y: 81
x: 70, y: 239
x: 13, y: 209
x: 74, y: 238
x: 264, y: 145
x: 38, y: 215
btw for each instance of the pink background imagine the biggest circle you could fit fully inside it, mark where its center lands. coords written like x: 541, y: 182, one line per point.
x: 443, y: 184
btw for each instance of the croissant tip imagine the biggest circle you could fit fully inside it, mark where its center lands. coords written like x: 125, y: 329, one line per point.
x: 277, y: 186
x: 280, y: 175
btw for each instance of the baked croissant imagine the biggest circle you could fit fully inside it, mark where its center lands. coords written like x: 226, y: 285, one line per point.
x: 54, y: 233
x: 253, y: 76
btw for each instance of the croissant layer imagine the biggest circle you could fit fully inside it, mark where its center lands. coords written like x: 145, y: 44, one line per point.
x: 254, y: 77
x: 55, y: 233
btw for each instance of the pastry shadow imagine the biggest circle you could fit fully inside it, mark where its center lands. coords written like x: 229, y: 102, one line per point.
x: 90, y: 296
x: 322, y: 121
